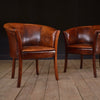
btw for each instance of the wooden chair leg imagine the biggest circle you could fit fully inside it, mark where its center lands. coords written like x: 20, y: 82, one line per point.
x: 55, y: 67
x: 19, y: 73
x: 81, y: 62
x: 94, y: 66
x: 65, y: 63
x: 37, y: 69
x: 13, y: 68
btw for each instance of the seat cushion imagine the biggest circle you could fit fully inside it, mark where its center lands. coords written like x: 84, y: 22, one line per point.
x: 81, y: 46
x: 36, y: 48
x: 80, y: 49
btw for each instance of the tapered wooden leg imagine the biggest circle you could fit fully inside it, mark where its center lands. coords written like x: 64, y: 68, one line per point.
x: 55, y: 67
x: 65, y: 62
x: 19, y: 73
x: 94, y: 67
x: 37, y: 69
x: 13, y: 68
x: 81, y: 62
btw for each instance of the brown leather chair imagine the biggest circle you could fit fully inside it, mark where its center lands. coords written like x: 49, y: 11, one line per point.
x: 28, y: 41
x: 83, y: 40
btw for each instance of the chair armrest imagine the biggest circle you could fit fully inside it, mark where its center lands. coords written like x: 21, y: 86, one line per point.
x: 70, y: 36
x: 97, y: 32
x: 56, y: 39
x: 66, y: 35
x: 10, y: 28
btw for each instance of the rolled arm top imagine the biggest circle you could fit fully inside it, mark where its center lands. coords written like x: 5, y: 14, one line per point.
x: 71, y: 36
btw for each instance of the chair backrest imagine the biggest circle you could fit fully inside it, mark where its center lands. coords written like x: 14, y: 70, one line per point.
x: 81, y: 34
x: 85, y: 34
x: 31, y: 34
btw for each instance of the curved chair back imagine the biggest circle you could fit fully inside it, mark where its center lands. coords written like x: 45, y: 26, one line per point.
x: 31, y: 35
x: 81, y: 34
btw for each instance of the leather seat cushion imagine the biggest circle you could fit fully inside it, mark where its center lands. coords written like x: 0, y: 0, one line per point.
x: 36, y: 48
x: 80, y: 49
x: 80, y: 46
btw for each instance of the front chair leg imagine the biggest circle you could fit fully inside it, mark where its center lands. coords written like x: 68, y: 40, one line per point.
x: 94, y: 66
x: 19, y: 73
x: 37, y: 69
x: 55, y: 67
x: 81, y: 62
x: 65, y: 62
x: 13, y: 68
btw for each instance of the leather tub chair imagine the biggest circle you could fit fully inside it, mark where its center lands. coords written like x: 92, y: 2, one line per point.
x: 31, y: 41
x: 83, y: 40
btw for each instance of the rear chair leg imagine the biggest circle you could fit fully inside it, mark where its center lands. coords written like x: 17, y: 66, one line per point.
x: 37, y: 69
x: 65, y: 62
x: 94, y: 66
x: 13, y: 68
x: 81, y: 65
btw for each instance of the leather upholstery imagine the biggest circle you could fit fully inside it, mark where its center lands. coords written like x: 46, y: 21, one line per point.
x: 84, y: 34
x: 31, y: 35
x: 81, y: 39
